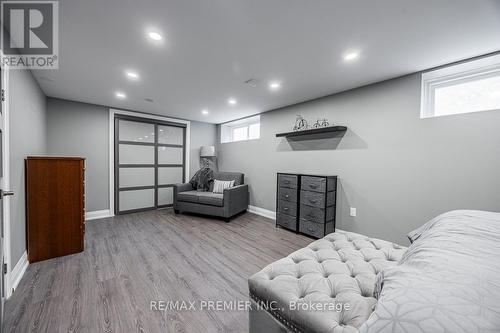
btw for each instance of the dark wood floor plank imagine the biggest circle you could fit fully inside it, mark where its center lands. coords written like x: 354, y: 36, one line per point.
x: 131, y: 260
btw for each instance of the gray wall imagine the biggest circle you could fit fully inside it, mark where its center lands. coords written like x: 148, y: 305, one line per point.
x: 396, y: 169
x: 202, y: 134
x: 27, y: 137
x: 80, y: 129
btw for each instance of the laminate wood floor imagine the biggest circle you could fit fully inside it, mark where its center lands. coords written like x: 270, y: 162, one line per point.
x: 131, y: 260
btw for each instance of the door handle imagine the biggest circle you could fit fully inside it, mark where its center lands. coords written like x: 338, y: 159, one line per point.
x: 5, y: 193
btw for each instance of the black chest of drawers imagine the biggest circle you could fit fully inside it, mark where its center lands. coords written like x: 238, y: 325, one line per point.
x: 306, y: 203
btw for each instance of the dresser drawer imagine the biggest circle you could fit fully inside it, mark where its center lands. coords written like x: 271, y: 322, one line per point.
x: 317, y: 199
x: 288, y: 208
x: 289, y: 181
x: 286, y: 221
x: 316, y: 214
x: 316, y: 184
x: 287, y: 194
x: 314, y: 199
x: 314, y: 229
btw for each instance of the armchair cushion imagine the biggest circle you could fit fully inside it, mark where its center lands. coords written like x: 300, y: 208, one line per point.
x: 238, y: 178
x: 209, y: 198
x: 188, y: 196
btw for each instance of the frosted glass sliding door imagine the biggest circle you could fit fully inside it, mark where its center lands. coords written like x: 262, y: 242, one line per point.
x: 149, y: 158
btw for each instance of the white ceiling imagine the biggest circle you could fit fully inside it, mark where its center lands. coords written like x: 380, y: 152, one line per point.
x: 211, y: 47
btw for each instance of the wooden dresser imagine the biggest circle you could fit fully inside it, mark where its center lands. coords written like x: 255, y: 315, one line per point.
x: 55, y: 206
x: 306, y: 203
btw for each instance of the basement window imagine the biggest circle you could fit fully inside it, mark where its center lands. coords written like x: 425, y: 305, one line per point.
x: 241, y: 130
x: 472, y: 86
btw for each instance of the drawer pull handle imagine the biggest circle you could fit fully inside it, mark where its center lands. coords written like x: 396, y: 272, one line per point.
x: 313, y: 186
x: 286, y: 208
x: 287, y: 196
x: 313, y: 201
x: 287, y: 182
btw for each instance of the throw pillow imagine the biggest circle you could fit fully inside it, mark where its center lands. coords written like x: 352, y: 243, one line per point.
x: 221, y: 185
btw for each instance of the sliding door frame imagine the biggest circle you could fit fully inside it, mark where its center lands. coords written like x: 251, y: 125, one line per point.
x: 113, y: 135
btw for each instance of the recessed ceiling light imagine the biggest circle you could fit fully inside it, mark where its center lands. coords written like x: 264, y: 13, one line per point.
x: 350, y: 56
x: 132, y: 75
x: 120, y: 95
x: 274, y: 85
x: 153, y: 35
x: 232, y: 101
x: 205, y: 112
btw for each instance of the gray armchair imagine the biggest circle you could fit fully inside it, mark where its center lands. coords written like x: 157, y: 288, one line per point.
x: 234, y: 200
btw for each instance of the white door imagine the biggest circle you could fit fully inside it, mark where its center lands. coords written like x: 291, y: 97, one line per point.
x: 4, y: 192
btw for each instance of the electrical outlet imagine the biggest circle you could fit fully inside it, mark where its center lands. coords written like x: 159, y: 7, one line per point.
x: 353, y: 212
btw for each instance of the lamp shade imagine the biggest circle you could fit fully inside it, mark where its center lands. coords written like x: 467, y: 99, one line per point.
x: 207, y: 151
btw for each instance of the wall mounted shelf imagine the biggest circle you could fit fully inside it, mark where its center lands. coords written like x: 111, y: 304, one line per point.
x: 320, y: 132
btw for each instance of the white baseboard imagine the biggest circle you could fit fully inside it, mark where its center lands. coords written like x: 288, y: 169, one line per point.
x: 98, y: 214
x: 262, y: 212
x: 17, y: 273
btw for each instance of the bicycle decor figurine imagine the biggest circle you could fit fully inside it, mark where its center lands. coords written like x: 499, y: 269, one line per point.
x: 320, y: 123
x: 302, y: 125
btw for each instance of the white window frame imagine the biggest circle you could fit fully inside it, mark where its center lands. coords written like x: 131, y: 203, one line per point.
x: 452, y: 75
x: 228, y: 128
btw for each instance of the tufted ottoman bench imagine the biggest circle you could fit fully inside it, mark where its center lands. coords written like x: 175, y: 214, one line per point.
x: 325, y: 287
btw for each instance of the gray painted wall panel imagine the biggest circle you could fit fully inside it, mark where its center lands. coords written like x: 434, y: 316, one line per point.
x: 202, y: 134
x: 396, y: 169
x: 27, y: 137
x: 80, y: 129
